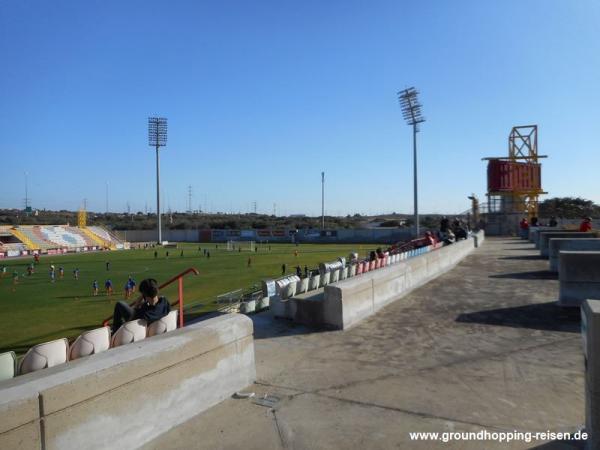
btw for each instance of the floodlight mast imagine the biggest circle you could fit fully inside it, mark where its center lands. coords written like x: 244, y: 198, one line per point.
x: 411, y: 112
x: 157, y: 137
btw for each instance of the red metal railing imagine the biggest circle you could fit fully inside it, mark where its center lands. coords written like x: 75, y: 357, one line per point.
x: 179, y: 301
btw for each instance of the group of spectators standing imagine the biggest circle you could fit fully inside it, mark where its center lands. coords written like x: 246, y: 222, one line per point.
x: 585, y: 225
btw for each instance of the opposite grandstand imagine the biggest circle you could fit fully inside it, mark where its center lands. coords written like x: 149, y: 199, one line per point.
x: 26, y: 240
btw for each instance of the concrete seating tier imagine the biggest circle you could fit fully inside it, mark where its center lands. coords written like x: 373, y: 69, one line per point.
x: 344, y: 303
x: 105, y: 400
x: 545, y: 237
x: 310, y: 291
x: 567, y: 244
x: 330, y: 273
x: 579, y: 277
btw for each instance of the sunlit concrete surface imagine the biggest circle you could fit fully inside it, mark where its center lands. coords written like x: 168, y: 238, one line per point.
x: 484, y: 346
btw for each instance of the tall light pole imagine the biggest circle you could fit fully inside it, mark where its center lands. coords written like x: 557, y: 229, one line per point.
x: 411, y: 111
x: 322, y: 200
x: 157, y: 137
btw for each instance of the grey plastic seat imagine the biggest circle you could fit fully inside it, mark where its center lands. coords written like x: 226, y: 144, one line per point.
x: 45, y: 355
x: 90, y: 343
x: 164, y: 325
x: 8, y: 365
x: 129, y: 332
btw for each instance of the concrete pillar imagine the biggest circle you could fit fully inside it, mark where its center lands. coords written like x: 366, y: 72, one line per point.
x: 558, y: 245
x: 579, y: 277
x: 545, y: 237
x: 590, y: 333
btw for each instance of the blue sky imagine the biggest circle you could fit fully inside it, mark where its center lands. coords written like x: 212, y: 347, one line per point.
x: 262, y: 96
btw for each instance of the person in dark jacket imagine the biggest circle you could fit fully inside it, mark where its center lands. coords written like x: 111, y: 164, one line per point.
x: 150, y: 307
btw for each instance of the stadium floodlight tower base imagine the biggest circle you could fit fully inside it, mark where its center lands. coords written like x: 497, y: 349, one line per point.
x: 235, y: 246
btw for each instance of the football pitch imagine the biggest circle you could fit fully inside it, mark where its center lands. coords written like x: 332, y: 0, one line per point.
x: 37, y: 310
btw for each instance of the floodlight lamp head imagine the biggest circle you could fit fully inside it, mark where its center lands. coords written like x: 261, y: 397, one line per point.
x: 410, y: 106
x: 157, y: 131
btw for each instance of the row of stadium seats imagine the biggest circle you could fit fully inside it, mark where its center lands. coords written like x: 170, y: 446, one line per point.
x: 289, y: 286
x: 15, y: 246
x: 104, y: 235
x: 59, y: 351
x: 64, y: 237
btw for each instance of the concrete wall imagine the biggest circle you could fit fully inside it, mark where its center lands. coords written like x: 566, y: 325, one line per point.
x: 150, y: 235
x: 127, y: 396
x: 349, y: 301
x: 579, y: 276
x: 545, y: 237
x: 566, y: 244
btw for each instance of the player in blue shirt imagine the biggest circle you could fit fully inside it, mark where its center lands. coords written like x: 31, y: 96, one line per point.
x: 131, y: 284
x: 127, y: 289
x: 95, y: 288
x: 109, y: 287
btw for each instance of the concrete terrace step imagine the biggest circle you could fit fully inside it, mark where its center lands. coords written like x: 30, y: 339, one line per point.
x: 483, y: 346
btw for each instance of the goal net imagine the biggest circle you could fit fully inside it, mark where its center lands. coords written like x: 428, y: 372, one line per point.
x: 244, y: 246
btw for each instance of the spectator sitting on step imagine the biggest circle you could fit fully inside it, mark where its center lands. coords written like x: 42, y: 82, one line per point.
x: 150, y: 307
x: 552, y: 222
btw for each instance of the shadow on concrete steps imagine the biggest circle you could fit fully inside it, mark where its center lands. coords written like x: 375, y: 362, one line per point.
x: 540, y: 316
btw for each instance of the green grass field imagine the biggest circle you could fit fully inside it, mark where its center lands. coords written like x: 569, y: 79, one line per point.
x: 36, y: 310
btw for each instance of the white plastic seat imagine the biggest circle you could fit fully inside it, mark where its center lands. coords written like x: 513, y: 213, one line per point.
x: 45, y: 355
x: 129, y: 332
x: 164, y: 324
x: 8, y: 366
x: 90, y: 343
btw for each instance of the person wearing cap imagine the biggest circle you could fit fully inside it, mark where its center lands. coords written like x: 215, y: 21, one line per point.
x: 586, y: 224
